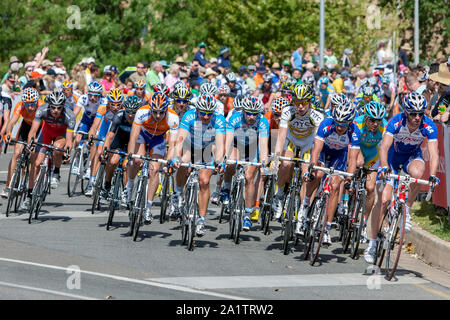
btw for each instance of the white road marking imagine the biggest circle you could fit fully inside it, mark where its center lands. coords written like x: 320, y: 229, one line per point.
x: 70, y: 214
x: 59, y: 293
x: 304, y: 280
x: 147, y: 282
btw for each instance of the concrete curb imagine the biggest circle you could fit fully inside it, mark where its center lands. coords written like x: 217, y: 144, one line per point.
x: 429, y: 247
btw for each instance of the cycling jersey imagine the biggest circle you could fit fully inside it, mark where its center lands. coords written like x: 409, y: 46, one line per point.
x: 360, y: 103
x: 370, y: 142
x: 247, y: 134
x: 406, y: 142
x: 105, y: 125
x: 300, y: 126
x: 121, y: 128
x: 71, y: 101
x: 90, y: 109
x: 272, y: 124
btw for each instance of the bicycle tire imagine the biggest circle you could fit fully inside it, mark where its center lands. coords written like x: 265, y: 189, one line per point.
x: 193, y: 221
x: 222, y: 212
x: 231, y: 209
x: 323, y: 217
x: 287, y: 233
x: 85, y: 164
x: 76, y: 177
x: 98, y: 184
x: 347, y: 225
x: 239, y: 210
x: 184, y: 221
x: 164, y: 194
x: 23, y: 187
x: 381, y: 235
x: 309, y: 231
x: 393, y: 253
x: 266, y: 210
x: 13, y: 189
x: 44, y: 191
x: 115, y: 199
x: 358, y: 225
x: 141, y: 206
x: 36, y: 194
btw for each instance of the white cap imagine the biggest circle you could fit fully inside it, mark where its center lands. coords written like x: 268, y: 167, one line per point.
x: 90, y: 60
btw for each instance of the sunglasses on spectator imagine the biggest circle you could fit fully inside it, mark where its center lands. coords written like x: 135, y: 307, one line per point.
x: 205, y: 114
x: 415, y: 114
x: 58, y: 60
x: 182, y: 101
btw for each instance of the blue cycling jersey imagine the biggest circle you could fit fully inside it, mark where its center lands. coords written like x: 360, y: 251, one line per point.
x: 202, y: 135
x: 406, y: 142
x: 334, y: 142
x: 244, y: 133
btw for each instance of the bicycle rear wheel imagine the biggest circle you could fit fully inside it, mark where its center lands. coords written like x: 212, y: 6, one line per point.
x: 164, y: 198
x: 320, y: 228
x: 395, y: 243
x: 74, y: 173
x: 142, y: 197
x: 266, y: 206
x: 287, y: 234
x: 115, y: 199
x: 239, y: 212
x: 23, y: 188
x: 358, y: 224
x: 347, y: 226
x: 13, y: 189
x: 98, y: 185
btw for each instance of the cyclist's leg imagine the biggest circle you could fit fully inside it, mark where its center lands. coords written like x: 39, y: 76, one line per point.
x: 111, y: 166
x: 204, y: 178
x: 157, y: 148
x: 286, y: 168
x: 415, y: 169
x: 12, y: 163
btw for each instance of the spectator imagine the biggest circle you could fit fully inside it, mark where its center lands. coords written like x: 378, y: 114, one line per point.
x: 185, y: 78
x: 13, y: 73
x: 308, y: 75
x: 346, y: 62
x: 180, y: 62
x: 413, y: 83
x: 250, y: 81
x: 146, y: 66
x: 316, y: 54
x: 440, y: 111
x: 37, y: 82
x: 173, y: 76
x: 128, y: 85
x: 89, y: 62
x: 49, y: 80
x: 258, y: 78
x: 223, y: 59
x: 107, y: 81
x: 286, y: 68
x: 46, y: 65
x: 330, y: 59
x: 296, y: 58
x: 296, y: 75
x: 200, y: 55
x: 163, y: 73
x: 381, y: 54
x: 213, y: 63
x: 276, y: 72
x: 60, y: 76
x: 95, y: 71
x: 27, y: 74
x: 349, y: 84
x: 194, y: 71
x: 139, y: 74
x: 210, y: 76
x: 58, y: 62
x: 306, y: 59
x: 403, y: 54
x: 115, y: 77
x: 152, y: 77
x: 8, y: 86
x: 338, y: 82
x: 360, y: 79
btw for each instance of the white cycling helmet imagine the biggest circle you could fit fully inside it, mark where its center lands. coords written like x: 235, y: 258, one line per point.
x: 414, y: 102
x: 343, y: 110
x: 206, y: 102
x: 208, y: 88
x: 252, y: 104
x: 368, y: 91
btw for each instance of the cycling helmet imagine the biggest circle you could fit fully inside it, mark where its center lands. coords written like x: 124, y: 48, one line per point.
x: 30, y: 96
x: 95, y: 88
x: 208, y: 88
x: 303, y: 92
x: 267, y: 77
x: 224, y: 89
x: 323, y: 80
x: 316, y: 103
x: 279, y: 104
x: 159, y: 101
x: 56, y: 98
x: 162, y: 88
x: 372, y: 81
x: 343, y: 110
x: 181, y: 92
x: 237, y: 102
x: 414, y: 102
x: 374, y: 110
x: 140, y: 84
x: 368, y: 91
x: 67, y: 85
x: 252, y: 104
x: 231, y: 77
x: 132, y: 104
x: 288, y: 85
x: 178, y: 84
x: 206, y: 102
x: 283, y: 77
x: 309, y: 80
x: 115, y: 96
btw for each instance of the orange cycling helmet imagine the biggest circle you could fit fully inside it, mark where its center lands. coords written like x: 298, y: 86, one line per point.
x: 67, y: 85
x: 159, y: 102
x: 30, y: 96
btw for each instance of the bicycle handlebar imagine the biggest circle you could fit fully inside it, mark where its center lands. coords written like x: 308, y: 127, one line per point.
x: 48, y: 146
x: 196, y: 166
x: 244, y: 163
x: 331, y: 171
x: 145, y: 158
x: 408, y: 179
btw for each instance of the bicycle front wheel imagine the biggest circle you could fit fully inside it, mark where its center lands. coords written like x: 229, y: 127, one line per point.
x: 358, y: 224
x: 13, y: 189
x: 320, y: 227
x: 97, y: 188
x: 287, y: 234
x: 394, y: 243
x: 141, y: 199
x: 74, y: 173
x: 36, y: 195
x: 239, y: 212
x: 164, y: 198
x: 193, y: 214
x: 115, y: 198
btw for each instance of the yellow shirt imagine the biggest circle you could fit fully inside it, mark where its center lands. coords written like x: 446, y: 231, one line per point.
x: 338, y: 85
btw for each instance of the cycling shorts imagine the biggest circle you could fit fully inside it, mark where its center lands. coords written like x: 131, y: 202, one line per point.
x: 399, y: 161
x: 250, y: 151
x: 50, y: 134
x: 155, y: 144
x: 85, y: 124
x: 304, y: 145
x: 335, y: 159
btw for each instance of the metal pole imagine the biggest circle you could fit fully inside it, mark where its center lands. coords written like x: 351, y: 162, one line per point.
x: 322, y: 31
x: 416, y: 32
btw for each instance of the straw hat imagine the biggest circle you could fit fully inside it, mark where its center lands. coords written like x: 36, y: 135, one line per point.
x: 442, y: 76
x: 209, y: 72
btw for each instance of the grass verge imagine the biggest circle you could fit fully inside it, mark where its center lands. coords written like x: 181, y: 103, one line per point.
x: 424, y: 214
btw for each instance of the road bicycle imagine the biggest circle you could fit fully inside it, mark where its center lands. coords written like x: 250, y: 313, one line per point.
x: 392, y: 232
x: 42, y: 184
x: 314, y: 227
x: 190, y: 210
x: 18, y: 184
x: 167, y: 189
x: 236, y: 206
x: 265, y: 203
x: 97, y: 188
x: 78, y: 166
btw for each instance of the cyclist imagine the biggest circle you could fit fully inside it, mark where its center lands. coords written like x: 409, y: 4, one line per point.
x: 337, y: 138
x: 100, y: 128
x: 224, y: 99
x: 366, y: 95
x: 117, y: 138
x: 286, y: 89
x: 266, y: 91
x: 71, y: 96
x: 247, y: 133
x: 139, y: 91
x: 400, y: 148
x: 89, y: 103
x: 26, y: 108
x: 372, y: 125
x: 180, y: 99
x: 58, y: 124
x: 150, y: 125
x: 200, y: 128
x: 297, y: 130
x: 231, y: 82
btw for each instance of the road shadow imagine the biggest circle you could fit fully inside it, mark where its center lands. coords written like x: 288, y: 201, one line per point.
x: 142, y: 235
x: 43, y: 218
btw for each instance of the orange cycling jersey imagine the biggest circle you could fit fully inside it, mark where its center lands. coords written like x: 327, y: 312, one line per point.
x: 145, y: 120
x: 272, y: 123
x: 21, y: 110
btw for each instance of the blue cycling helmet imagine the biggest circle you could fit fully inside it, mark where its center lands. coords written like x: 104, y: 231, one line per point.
x: 414, y: 102
x: 374, y: 110
x: 95, y: 88
x: 368, y: 91
x: 323, y: 80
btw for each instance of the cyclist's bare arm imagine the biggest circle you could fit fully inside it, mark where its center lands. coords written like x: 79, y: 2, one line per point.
x: 134, y: 134
x: 281, y: 139
x: 11, y: 123
x: 317, y: 149
x: 220, y: 150
x: 182, y: 134
x: 386, y: 143
x: 434, y: 156
x: 228, y: 142
x: 94, y: 127
x: 171, y: 140
x: 264, y: 147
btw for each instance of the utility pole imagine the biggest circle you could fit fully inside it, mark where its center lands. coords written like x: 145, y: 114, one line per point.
x: 416, y: 32
x: 322, y: 31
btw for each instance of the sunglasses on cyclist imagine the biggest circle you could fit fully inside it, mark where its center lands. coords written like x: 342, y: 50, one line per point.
x: 415, y: 114
x: 206, y: 114
x: 276, y: 114
x: 159, y: 112
x: 115, y: 104
x: 374, y: 120
x: 30, y: 104
x: 56, y: 107
x: 298, y: 102
x: 342, y: 124
x: 251, y: 114
x: 182, y: 101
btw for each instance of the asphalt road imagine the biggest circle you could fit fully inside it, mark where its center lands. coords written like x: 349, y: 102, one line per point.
x: 69, y: 254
